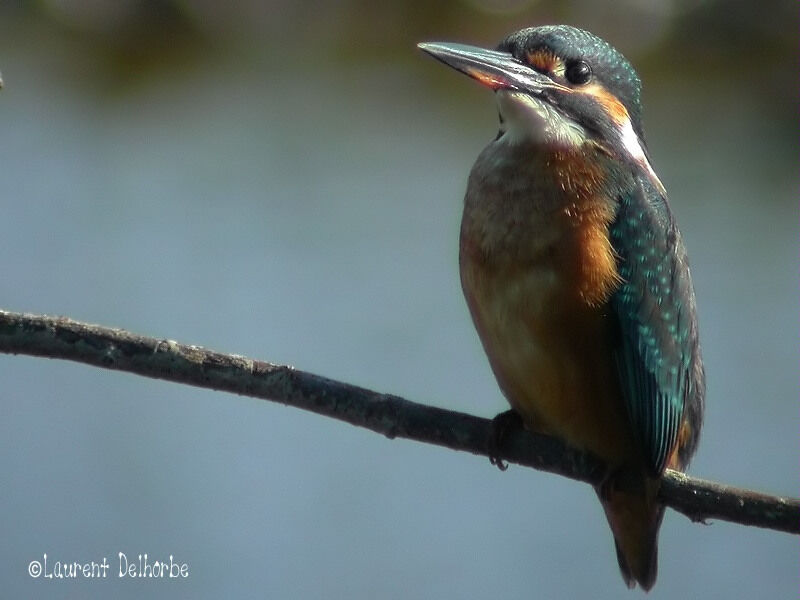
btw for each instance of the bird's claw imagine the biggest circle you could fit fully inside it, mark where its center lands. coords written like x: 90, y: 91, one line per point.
x: 502, y: 425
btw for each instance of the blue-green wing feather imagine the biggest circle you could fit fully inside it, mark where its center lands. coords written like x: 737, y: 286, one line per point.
x: 656, y: 351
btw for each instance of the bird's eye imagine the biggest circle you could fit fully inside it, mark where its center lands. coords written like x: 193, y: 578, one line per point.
x: 578, y: 72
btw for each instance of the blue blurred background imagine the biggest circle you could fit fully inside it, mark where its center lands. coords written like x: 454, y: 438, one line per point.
x: 284, y: 181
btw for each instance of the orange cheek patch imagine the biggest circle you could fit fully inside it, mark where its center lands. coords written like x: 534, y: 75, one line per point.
x: 613, y: 107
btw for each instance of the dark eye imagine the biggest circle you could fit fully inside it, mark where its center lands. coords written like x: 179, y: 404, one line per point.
x: 578, y: 72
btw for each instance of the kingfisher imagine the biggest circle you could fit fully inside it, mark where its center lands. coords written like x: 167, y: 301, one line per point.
x: 575, y: 273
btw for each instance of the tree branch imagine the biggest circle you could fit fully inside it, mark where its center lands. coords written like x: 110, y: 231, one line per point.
x: 58, y: 337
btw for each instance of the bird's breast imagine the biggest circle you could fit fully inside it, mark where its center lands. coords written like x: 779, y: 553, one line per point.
x: 537, y: 269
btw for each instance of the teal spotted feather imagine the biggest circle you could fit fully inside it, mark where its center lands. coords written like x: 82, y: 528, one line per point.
x: 656, y: 353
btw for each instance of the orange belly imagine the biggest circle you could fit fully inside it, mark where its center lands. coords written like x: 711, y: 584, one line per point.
x: 550, y: 352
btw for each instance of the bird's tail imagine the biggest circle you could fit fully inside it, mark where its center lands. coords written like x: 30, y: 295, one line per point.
x: 635, y: 518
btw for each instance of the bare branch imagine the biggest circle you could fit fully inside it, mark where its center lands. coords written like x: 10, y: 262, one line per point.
x: 56, y: 337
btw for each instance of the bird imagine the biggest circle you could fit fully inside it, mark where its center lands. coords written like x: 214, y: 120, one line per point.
x: 576, y: 275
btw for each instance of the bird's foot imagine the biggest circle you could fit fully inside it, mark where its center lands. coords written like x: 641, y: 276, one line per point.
x: 502, y: 425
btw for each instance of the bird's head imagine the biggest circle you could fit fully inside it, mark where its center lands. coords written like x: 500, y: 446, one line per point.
x: 561, y: 87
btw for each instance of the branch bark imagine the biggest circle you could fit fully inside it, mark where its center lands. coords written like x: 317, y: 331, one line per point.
x: 59, y: 337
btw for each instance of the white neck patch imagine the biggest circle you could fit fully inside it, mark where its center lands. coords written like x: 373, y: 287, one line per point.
x: 633, y: 147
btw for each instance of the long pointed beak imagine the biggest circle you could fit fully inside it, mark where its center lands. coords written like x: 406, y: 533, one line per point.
x: 497, y: 70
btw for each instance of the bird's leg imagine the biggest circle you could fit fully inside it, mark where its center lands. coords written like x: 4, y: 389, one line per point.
x: 608, y: 485
x: 625, y: 479
x: 502, y: 425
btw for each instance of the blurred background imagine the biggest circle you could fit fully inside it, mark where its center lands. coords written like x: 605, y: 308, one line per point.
x: 284, y: 181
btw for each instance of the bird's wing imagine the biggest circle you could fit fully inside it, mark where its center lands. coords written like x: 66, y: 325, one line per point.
x: 654, y: 306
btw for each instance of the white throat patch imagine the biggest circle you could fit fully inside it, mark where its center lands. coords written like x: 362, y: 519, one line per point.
x: 528, y: 119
